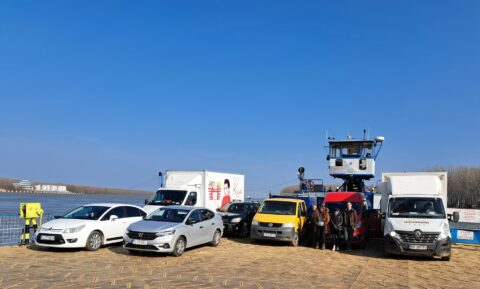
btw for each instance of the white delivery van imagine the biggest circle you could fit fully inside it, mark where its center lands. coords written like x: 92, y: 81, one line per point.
x: 414, y: 213
x: 197, y: 188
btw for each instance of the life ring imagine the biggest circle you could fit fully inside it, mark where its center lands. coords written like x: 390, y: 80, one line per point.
x: 310, y: 184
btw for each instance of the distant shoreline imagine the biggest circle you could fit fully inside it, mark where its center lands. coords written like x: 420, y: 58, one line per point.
x: 73, y: 193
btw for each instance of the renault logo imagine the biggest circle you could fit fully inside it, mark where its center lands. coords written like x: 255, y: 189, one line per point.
x: 270, y: 225
x: 417, y: 234
x: 140, y: 235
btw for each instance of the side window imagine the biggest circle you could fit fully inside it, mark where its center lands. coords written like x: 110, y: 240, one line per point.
x: 134, y: 212
x: 192, y: 199
x: 118, y: 211
x: 195, y: 215
x: 207, y: 215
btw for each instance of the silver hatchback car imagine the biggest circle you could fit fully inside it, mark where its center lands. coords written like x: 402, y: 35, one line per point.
x: 172, y: 229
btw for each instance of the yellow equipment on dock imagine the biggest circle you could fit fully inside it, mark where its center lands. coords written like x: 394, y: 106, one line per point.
x: 30, y: 212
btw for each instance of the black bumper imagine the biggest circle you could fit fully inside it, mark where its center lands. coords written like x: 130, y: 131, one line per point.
x: 441, y: 248
x: 275, y: 234
x: 231, y: 228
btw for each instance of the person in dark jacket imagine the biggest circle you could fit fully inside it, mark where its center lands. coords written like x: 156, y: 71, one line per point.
x: 337, y: 226
x: 350, y: 222
x: 310, y: 227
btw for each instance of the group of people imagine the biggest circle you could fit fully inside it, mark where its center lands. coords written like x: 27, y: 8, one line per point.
x: 339, y: 225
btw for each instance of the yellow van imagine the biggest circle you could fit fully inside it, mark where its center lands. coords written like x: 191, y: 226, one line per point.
x: 279, y: 219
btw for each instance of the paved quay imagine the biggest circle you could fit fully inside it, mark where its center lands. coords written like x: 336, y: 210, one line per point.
x: 235, y: 264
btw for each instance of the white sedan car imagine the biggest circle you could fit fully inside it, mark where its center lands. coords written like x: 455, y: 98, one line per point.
x: 172, y: 229
x: 89, y: 226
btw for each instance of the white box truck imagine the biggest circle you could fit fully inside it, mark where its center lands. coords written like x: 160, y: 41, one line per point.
x: 414, y: 213
x: 197, y: 188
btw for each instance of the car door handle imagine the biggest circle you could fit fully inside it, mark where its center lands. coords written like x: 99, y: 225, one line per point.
x: 213, y: 223
x: 201, y: 227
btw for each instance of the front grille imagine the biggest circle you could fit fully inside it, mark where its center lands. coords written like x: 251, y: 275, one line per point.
x: 274, y: 225
x: 144, y: 247
x: 424, y: 238
x: 141, y: 235
x: 57, y: 241
x: 226, y: 220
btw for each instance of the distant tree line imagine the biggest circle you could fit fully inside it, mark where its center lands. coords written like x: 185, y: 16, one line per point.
x: 463, y: 186
x: 7, y: 184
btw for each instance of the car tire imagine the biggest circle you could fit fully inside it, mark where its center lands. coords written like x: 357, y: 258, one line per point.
x: 179, y: 247
x: 446, y: 258
x: 94, y: 241
x: 244, y: 231
x: 295, y: 240
x: 216, y: 238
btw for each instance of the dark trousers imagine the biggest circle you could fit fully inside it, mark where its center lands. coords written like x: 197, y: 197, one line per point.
x: 319, y: 235
x: 349, y: 237
x: 336, y: 235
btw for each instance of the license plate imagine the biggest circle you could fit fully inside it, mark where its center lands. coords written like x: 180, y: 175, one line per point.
x: 139, y: 242
x: 47, y: 238
x: 417, y: 247
x: 271, y: 235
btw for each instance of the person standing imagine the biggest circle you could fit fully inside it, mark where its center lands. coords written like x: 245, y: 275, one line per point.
x: 322, y: 222
x: 350, y: 222
x: 337, y: 225
x: 310, y: 227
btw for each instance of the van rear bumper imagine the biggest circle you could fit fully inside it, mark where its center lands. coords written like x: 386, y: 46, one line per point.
x: 441, y: 248
x: 275, y: 234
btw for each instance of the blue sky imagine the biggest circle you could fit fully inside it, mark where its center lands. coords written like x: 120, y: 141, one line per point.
x: 110, y: 92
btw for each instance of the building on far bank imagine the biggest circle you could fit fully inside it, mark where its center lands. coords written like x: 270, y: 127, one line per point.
x: 23, y: 185
x: 50, y: 188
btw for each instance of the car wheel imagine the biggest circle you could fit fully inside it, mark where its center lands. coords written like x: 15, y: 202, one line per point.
x: 244, y: 231
x: 94, y: 241
x: 179, y: 247
x: 216, y: 238
x: 446, y: 258
x: 294, y: 241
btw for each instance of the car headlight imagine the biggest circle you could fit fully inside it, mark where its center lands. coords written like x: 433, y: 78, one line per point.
x: 165, y: 233
x: 236, y: 220
x: 445, y: 233
x: 288, y: 225
x: 358, y: 225
x: 255, y: 223
x: 393, y: 234
x: 74, y: 229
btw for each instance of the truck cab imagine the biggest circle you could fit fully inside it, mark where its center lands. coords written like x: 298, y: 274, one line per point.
x: 335, y: 200
x: 415, y: 214
x: 171, y: 197
x: 279, y: 219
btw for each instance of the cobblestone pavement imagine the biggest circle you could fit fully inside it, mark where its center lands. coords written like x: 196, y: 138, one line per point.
x: 235, y: 264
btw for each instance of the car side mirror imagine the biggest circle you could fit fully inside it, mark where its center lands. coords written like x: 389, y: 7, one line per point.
x: 328, y: 157
x: 146, y: 201
x: 57, y: 217
x: 113, y: 217
x: 383, y: 215
x: 218, y: 210
x: 191, y: 221
x: 455, y: 217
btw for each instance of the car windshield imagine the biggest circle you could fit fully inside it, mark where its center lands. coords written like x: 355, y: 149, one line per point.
x: 86, y: 213
x: 278, y: 208
x: 342, y: 206
x: 168, y: 198
x: 168, y: 215
x: 416, y: 208
x: 239, y: 208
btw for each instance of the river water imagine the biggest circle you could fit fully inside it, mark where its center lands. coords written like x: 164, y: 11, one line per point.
x: 56, y: 204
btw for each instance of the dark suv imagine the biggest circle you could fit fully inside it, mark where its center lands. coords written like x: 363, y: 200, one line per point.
x: 237, y: 217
